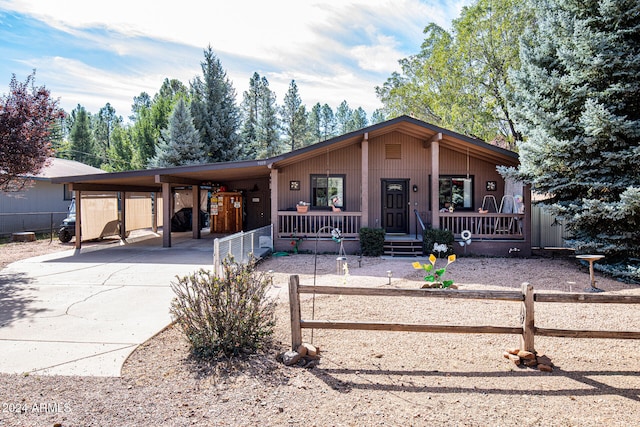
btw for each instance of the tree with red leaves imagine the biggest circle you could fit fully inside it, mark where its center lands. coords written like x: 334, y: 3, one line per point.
x: 27, y: 114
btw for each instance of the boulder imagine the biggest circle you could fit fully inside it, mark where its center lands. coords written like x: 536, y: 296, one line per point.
x: 311, y: 350
x: 290, y: 358
x: 523, y: 354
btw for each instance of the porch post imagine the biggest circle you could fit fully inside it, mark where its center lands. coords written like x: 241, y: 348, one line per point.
x: 78, y: 219
x: 364, y: 185
x: 167, y: 207
x: 195, y: 213
x: 435, y: 183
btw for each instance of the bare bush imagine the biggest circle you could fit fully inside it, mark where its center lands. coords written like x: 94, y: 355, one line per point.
x: 224, y: 316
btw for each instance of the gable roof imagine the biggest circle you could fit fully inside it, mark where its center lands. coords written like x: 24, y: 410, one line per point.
x: 152, y: 179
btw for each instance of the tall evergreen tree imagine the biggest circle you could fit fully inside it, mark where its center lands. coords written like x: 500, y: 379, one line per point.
x: 180, y: 143
x: 82, y: 147
x: 358, y: 120
x: 250, y: 108
x: 328, y: 124
x: 260, y: 134
x: 268, y: 134
x: 343, y: 115
x: 294, y: 117
x: 377, y: 116
x: 103, y: 125
x: 214, y: 111
x: 578, y: 104
x: 315, y: 124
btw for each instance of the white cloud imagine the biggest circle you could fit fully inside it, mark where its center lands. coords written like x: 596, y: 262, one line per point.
x: 334, y: 49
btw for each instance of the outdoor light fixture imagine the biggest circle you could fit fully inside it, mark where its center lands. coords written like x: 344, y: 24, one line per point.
x: 415, y: 188
x: 389, y: 274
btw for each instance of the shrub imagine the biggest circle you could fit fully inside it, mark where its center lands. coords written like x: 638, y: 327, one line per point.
x: 372, y: 241
x: 225, y: 315
x: 437, y: 237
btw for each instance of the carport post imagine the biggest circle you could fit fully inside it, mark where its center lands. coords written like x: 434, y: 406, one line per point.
x: 167, y: 204
x: 78, y: 219
x: 123, y: 217
x: 195, y: 213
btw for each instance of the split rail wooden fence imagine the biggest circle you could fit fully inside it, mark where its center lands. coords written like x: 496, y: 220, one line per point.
x: 527, y: 296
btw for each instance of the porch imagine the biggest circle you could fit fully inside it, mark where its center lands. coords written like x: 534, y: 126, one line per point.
x: 491, y: 233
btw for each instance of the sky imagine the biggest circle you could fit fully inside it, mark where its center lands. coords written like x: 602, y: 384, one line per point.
x: 94, y: 53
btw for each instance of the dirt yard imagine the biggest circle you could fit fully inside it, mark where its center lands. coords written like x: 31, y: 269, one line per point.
x: 372, y: 378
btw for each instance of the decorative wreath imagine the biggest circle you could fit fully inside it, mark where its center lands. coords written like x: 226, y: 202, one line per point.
x: 466, y: 235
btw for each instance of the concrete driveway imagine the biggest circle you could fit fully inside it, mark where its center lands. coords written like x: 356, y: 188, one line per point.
x: 83, y: 313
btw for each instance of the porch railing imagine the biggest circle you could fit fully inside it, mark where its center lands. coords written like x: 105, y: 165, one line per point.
x: 484, y: 226
x: 291, y: 223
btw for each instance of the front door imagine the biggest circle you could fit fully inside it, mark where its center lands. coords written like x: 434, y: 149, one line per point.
x: 395, y: 208
x: 257, y: 205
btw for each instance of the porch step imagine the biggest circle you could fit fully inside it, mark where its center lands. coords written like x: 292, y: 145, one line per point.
x: 402, y: 247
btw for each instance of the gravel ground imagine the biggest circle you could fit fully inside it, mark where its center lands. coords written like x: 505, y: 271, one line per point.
x: 372, y: 378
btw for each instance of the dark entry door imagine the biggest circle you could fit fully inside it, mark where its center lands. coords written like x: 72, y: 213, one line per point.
x: 395, y: 210
x: 257, y: 205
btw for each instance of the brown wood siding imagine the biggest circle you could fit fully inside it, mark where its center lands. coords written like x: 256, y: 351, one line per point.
x: 344, y: 161
x: 455, y: 163
x: 414, y: 164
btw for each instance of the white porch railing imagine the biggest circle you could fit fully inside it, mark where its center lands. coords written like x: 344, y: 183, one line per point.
x: 484, y: 226
x: 291, y: 223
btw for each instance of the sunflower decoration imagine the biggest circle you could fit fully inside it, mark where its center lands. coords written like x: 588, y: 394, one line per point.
x: 435, y: 276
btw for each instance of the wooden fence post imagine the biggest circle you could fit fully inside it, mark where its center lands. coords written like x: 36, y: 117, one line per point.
x: 294, y: 304
x: 528, y: 321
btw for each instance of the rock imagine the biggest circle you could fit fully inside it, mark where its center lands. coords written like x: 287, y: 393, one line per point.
x: 506, y: 354
x: 523, y: 354
x: 311, y: 350
x: 513, y: 350
x: 290, y: 358
x: 302, y: 350
x: 544, y: 360
x: 530, y: 362
x: 544, y: 368
x: 515, y: 359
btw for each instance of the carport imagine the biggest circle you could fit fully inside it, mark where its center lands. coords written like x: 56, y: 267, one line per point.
x: 146, y: 198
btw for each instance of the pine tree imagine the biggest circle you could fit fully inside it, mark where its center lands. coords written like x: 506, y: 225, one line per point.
x: 260, y: 134
x: 578, y: 104
x: 214, y: 111
x: 82, y: 147
x: 294, y: 117
x: 315, y: 124
x: 358, y: 120
x: 343, y: 115
x: 268, y: 126
x: 328, y: 124
x: 180, y: 143
x: 250, y: 107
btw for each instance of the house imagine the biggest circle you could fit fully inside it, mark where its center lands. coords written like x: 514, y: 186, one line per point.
x: 402, y: 175
x: 43, y: 204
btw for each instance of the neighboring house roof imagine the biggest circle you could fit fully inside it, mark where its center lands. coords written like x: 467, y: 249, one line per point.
x: 65, y: 168
x: 151, y: 179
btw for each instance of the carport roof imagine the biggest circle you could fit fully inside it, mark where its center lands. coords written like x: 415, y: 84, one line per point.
x: 152, y: 179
